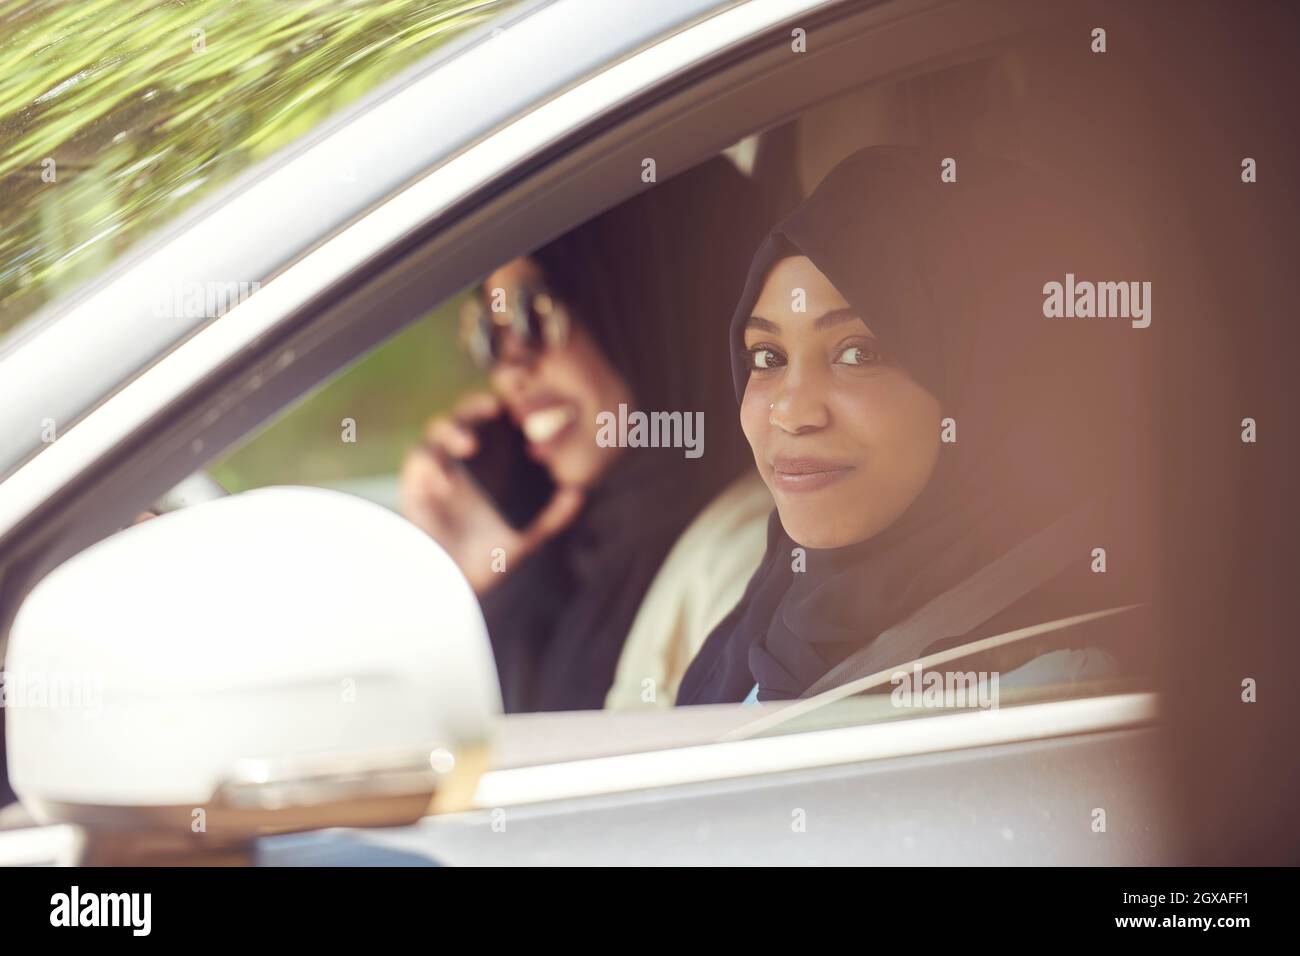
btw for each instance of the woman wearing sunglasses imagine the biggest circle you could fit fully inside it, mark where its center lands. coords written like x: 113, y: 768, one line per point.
x: 622, y: 311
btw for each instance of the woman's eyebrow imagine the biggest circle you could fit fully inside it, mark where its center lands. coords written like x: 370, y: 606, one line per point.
x: 836, y: 317
x: 827, y: 320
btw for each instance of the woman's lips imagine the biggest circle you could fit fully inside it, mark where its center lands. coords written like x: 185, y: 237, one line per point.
x: 808, y: 474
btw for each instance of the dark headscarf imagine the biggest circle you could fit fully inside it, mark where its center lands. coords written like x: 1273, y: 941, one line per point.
x: 650, y: 280
x: 950, y: 279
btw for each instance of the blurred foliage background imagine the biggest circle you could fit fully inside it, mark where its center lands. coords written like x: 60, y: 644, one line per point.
x: 117, y: 115
x: 389, y: 393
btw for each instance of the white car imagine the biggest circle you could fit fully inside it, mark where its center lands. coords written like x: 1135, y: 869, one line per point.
x: 516, y: 130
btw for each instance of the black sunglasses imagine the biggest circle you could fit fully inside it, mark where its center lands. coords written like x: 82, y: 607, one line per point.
x: 537, y: 321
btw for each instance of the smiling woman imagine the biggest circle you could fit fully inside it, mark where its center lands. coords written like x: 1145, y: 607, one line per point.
x: 641, y: 287
x: 916, y: 418
x: 819, y: 362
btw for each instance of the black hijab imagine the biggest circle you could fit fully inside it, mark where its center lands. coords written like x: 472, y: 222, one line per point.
x: 649, y: 280
x: 950, y: 278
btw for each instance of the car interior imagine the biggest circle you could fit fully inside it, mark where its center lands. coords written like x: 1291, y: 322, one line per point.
x: 985, y: 96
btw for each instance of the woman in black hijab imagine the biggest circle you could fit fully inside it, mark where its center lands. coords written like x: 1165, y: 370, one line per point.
x: 918, y: 410
x: 639, y: 289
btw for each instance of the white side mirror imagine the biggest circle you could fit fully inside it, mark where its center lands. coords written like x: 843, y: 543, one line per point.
x: 281, y: 659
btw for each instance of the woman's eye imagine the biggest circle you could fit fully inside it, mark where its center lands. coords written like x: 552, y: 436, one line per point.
x: 761, y: 358
x: 859, y: 355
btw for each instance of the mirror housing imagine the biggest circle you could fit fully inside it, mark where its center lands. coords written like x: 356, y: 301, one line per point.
x: 282, y: 659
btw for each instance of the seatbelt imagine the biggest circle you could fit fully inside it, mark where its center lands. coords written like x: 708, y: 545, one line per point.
x: 790, y: 710
x: 972, y: 601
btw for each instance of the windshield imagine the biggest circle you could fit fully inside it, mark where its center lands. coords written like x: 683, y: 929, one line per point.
x: 117, y: 115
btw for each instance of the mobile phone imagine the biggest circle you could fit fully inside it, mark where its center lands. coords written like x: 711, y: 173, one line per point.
x: 517, y: 485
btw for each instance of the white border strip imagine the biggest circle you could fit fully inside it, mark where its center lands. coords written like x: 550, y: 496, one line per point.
x: 124, y: 412
x: 802, y: 751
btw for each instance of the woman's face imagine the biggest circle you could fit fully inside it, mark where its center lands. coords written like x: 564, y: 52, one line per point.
x: 844, y: 440
x: 554, y: 394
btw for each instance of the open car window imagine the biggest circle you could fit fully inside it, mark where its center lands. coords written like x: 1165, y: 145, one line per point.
x: 383, y: 401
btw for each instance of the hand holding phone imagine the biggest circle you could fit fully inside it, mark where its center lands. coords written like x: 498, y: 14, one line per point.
x: 519, y: 487
x: 471, y: 485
